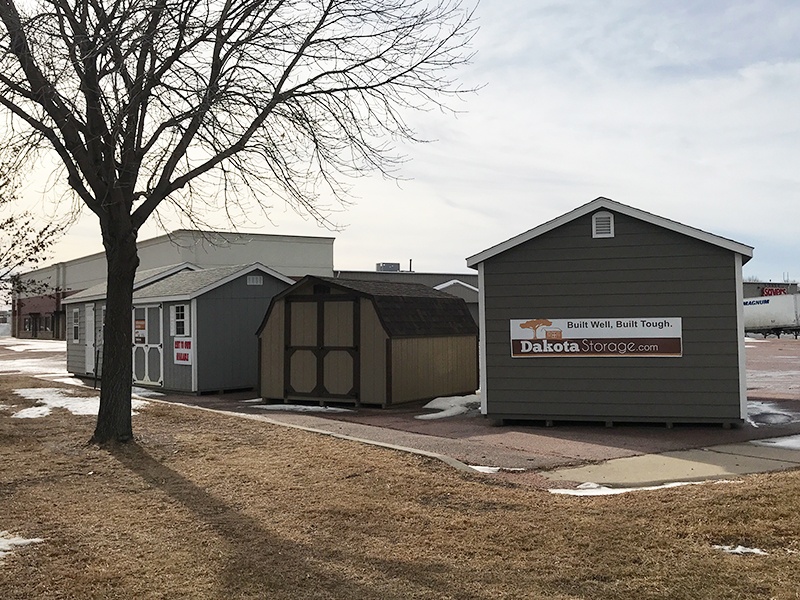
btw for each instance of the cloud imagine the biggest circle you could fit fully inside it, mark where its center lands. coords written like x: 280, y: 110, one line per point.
x: 684, y: 109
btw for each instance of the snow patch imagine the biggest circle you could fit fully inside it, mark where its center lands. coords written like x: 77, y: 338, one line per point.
x: 789, y: 442
x: 8, y: 542
x: 595, y: 489
x: 35, y: 366
x: 451, y: 406
x: 768, y: 413
x: 146, y: 392
x: 302, y: 408
x: 740, y: 550
x: 38, y: 346
x: 34, y: 412
x: 50, y: 398
x: 481, y: 469
x: 67, y: 380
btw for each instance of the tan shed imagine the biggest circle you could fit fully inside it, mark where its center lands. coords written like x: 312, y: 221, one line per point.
x: 366, y: 342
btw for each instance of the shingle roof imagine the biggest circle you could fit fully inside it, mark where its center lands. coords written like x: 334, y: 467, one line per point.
x: 410, y: 309
x: 186, y: 283
x: 97, y: 292
x: 386, y: 288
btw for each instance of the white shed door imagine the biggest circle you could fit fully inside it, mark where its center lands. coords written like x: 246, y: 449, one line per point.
x: 148, y: 347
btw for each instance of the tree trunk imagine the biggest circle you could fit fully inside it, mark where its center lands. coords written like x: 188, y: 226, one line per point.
x: 114, y: 417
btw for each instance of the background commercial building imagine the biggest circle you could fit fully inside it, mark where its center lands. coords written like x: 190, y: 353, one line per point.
x: 40, y: 314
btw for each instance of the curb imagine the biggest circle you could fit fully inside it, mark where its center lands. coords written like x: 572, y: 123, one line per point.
x: 448, y: 460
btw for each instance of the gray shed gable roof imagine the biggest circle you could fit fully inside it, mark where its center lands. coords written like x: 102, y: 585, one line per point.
x: 191, y: 284
x: 606, y: 203
x: 404, y: 309
x: 141, y: 279
x: 455, y: 282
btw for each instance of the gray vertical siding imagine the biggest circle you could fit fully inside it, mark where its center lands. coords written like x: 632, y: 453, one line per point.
x: 644, y: 271
x: 177, y: 376
x: 76, y: 353
x: 226, y: 343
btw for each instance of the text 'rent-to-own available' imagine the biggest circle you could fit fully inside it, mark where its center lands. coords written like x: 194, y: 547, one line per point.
x: 641, y: 336
x: 182, y: 348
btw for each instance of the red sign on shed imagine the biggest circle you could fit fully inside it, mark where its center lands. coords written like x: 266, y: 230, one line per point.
x: 182, y: 351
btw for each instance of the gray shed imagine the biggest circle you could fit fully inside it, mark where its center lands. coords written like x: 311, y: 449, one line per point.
x: 193, y: 330
x: 366, y: 342
x: 609, y: 313
x: 85, y: 314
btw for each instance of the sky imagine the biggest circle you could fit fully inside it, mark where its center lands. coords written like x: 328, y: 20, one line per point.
x: 684, y: 109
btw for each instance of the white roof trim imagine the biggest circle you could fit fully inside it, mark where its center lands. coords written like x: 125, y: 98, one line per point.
x: 137, y: 285
x: 452, y: 282
x: 86, y: 299
x: 244, y: 270
x: 599, y: 203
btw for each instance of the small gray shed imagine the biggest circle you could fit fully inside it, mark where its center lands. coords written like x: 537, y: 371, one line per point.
x: 193, y: 329
x: 85, y: 314
x: 366, y: 342
x: 609, y: 313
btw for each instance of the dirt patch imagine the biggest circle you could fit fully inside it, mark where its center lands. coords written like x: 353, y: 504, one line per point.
x: 212, y: 506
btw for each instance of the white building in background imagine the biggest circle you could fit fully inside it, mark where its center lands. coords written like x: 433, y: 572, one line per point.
x: 40, y: 314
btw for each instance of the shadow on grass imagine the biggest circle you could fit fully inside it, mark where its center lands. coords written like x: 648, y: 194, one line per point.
x: 260, y: 564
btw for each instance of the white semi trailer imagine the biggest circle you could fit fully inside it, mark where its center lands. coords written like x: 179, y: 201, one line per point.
x: 772, y: 315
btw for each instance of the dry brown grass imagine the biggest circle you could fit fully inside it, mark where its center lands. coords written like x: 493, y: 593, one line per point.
x: 212, y: 506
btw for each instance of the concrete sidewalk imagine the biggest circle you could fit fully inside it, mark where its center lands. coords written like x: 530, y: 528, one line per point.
x: 551, y: 454
x: 715, y: 462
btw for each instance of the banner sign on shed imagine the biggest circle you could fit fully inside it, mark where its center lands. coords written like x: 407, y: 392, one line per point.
x: 651, y: 336
x: 182, y: 351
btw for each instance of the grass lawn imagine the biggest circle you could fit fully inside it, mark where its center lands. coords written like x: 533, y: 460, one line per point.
x: 204, y: 505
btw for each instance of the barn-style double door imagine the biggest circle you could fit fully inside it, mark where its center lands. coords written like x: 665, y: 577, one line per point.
x: 148, y: 346
x: 322, y: 345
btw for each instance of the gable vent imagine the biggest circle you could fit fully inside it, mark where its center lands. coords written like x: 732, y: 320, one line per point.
x: 602, y: 225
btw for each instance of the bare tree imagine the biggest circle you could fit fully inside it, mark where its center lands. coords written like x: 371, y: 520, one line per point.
x: 203, y: 104
x: 24, y: 238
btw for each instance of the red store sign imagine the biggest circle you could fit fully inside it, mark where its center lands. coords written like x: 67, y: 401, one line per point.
x: 773, y: 291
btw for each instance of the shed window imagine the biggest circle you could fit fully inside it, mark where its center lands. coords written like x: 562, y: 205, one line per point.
x: 76, y: 325
x: 602, y: 225
x: 255, y: 280
x: 27, y: 324
x: 179, y: 320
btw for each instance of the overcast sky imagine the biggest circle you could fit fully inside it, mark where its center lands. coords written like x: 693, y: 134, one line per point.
x: 687, y: 109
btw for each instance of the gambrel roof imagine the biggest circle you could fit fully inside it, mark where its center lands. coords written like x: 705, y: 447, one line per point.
x: 404, y: 309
